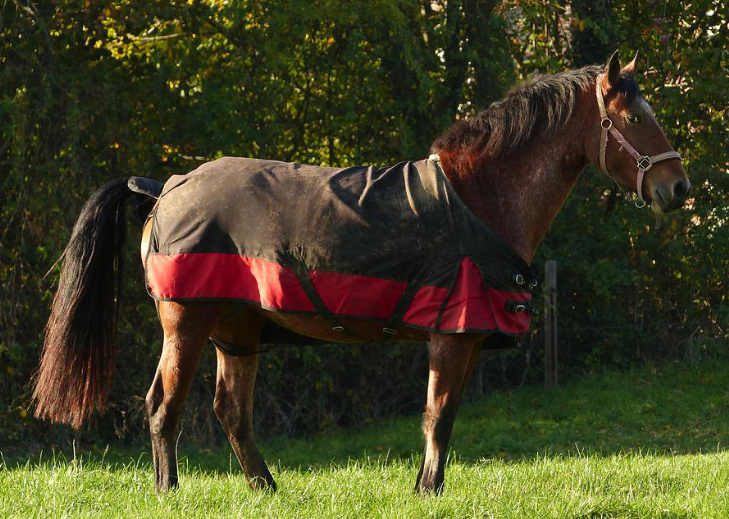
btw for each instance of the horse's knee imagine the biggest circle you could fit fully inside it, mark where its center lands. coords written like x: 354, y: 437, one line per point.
x: 438, y: 420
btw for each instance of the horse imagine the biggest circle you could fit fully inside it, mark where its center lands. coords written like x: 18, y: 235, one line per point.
x: 513, y: 166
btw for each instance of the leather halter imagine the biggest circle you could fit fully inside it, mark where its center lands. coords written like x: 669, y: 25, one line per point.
x: 644, y: 162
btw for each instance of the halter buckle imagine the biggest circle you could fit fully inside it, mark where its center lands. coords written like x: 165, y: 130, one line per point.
x: 606, y: 123
x: 645, y: 163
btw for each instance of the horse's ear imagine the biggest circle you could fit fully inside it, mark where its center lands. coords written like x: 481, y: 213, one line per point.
x: 612, y: 73
x: 631, y: 67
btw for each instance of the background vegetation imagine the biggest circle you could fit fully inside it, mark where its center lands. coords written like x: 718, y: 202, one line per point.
x: 92, y: 90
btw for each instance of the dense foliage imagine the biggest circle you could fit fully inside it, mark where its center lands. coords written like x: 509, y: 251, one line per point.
x: 90, y: 91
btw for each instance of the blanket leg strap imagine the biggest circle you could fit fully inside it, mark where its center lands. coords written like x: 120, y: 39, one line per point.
x: 303, y: 274
x: 234, y: 350
x: 393, y: 323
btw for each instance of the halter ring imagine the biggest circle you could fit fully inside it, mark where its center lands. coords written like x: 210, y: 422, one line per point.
x: 645, y: 163
x: 640, y: 203
x: 608, y: 125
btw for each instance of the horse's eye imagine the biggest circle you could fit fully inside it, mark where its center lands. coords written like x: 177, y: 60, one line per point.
x: 633, y: 118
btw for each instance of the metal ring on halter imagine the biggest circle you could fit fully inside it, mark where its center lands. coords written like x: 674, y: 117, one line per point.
x: 609, y: 123
x: 640, y: 203
x: 645, y: 159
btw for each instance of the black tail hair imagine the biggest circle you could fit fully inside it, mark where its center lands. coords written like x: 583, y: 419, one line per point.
x: 76, y: 367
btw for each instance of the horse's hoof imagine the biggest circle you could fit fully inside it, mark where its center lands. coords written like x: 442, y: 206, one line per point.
x: 166, y: 485
x: 264, y: 483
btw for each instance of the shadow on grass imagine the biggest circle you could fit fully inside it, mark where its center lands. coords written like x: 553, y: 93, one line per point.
x: 669, y: 409
x: 672, y: 409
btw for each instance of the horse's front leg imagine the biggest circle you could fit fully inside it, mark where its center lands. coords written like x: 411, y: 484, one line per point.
x: 451, y: 360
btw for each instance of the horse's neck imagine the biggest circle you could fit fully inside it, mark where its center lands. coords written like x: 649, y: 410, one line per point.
x: 519, y: 196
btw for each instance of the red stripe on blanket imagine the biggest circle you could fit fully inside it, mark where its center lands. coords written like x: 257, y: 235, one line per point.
x: 471, y: 306
x: 229, y: 276
x: 225, y: 276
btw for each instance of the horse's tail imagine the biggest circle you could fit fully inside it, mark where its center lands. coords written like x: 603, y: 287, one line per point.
x: 76, y: 367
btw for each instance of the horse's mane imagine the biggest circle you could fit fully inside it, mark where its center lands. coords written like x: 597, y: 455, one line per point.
x: 541, y: 104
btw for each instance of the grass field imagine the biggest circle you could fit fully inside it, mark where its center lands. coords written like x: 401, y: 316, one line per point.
x: 646, y: 444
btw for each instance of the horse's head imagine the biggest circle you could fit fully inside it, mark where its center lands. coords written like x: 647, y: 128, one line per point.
x: 631, y: 145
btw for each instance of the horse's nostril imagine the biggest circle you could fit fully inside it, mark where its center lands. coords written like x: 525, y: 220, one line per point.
x: 681, y: 189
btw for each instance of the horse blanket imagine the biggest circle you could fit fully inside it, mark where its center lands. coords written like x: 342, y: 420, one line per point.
x: 395, y: 244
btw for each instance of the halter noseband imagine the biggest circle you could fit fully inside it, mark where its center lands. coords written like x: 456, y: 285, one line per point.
x: 644, y: 162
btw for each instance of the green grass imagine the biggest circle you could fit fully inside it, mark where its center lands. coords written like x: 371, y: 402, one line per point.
x: 646, y: 444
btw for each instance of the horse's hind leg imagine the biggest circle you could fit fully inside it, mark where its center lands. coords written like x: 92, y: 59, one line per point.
x: 451, y: 361
x: 233, y: 403
x: 234, y: 408
x: 186, y: 329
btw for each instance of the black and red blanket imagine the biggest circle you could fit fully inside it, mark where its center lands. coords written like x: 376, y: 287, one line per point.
x: 393, y: 244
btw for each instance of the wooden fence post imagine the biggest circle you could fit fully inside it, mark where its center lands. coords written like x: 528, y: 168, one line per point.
x: 550, y: 323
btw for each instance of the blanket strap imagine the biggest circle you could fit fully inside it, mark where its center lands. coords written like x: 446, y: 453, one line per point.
x: 234, y: 350
x: 395, y: 320
x: 302, y: 273
x: 401, y: 307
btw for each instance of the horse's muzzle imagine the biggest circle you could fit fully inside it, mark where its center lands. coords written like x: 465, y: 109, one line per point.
x: 672, y: 197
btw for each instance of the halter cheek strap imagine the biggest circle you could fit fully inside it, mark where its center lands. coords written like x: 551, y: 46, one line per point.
x: 644, y: 162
